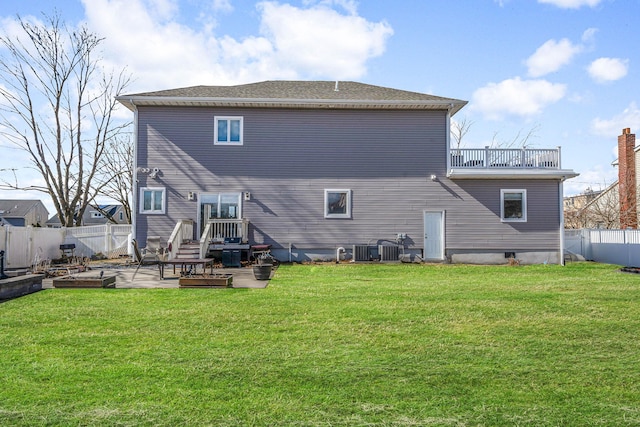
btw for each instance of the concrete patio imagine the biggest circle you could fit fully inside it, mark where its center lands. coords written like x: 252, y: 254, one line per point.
x: 149, y: 277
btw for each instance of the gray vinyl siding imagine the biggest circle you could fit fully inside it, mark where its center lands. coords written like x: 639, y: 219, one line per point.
x: 476, y: 223
x: 289, y: 157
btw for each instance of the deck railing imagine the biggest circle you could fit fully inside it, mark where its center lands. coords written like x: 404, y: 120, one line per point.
x: 505, y: 158
x: 222, y: 229
x: 182, y: 231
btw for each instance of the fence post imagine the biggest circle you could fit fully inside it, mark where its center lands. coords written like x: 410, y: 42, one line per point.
x: 109, y: 237
x: 30, y: 244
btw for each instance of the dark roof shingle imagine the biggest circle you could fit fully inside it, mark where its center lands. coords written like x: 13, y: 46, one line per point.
x: 275, y: 92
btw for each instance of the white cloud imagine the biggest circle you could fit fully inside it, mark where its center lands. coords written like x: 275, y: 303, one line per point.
x: 351, y: 6
x: 611, y: 128
x: 551, y: 56
x: 321, y: 42
x: 608, y: 69
x: 222, y: 5
x: 162, y: 9
x: 597, y: 178
x: 571, y: 4
x: 589, y: 35
x: 292, y: 42
x: 516, y: 97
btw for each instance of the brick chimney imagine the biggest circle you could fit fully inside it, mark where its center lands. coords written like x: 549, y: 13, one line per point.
x: 627, y: 179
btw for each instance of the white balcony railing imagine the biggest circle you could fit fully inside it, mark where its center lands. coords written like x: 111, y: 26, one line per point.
x: 505, y: 158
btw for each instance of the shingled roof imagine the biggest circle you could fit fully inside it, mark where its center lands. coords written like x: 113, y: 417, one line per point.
x: 295, y: 94
x: 10, y: 208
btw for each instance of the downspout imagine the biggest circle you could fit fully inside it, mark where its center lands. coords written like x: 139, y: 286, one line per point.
x: 561, y: 206
x: 448, y: 139
x: 134, y: 184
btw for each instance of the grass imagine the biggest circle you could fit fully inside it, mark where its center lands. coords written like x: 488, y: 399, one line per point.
x: 332, y: 345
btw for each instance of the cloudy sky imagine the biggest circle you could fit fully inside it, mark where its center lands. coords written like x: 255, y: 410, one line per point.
x: 564, y: 72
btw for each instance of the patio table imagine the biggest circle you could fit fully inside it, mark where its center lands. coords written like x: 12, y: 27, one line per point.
x: 184, y: 262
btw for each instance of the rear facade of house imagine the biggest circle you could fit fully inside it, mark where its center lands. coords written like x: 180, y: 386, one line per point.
x: 313, y: 167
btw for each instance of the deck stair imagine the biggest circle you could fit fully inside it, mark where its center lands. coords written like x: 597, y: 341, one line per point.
x: 188, y: 250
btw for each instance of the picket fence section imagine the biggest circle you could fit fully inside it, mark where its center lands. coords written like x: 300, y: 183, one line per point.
x: 621, y: 247
x: 27, y: 246
x: 108, y: 240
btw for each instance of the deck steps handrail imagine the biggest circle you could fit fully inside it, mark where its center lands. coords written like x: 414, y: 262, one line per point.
x: 182, y: 231
x: 220, y: 229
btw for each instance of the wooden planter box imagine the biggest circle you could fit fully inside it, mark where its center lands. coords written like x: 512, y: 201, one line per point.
x: 200, y: 281
x: 84, y: 282
x: 14, y: 287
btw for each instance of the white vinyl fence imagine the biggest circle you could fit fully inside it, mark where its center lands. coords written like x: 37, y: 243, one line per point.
x: 27, y: 246
x: 621, y: 247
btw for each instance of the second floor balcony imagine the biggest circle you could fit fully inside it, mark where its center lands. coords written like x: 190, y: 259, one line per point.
x: 507, y: 163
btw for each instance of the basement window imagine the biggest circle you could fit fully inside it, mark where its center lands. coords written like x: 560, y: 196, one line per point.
x: 513, y: 205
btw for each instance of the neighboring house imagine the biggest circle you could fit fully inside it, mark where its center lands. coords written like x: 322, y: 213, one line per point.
x: 96, y: 215
x: 22, y: 213
x: 311, y: 167
x: 574, y: 207
x: 580, y: 200
x: 605, y: 209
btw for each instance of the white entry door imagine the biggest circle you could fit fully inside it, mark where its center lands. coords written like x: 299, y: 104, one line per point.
x: 434, y: 235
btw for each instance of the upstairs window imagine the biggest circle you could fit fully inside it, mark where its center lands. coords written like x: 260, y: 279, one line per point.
x: 337, y: 203
x: 513, y: 205
x: 228, y: 131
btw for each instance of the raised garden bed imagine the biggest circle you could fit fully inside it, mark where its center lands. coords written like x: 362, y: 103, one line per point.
x: 85, y: 282
x: 14, y: 287
x: 635, y: 270
x: 206, y: 281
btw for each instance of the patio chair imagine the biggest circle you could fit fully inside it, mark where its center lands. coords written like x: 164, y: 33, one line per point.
x: 153, y: 254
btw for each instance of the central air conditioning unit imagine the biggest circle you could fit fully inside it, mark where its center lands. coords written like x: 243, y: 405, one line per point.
x: 389, y: 253
x: 363, y: 253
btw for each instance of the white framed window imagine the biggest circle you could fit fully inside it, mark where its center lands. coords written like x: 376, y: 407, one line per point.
x: 337, y: 203
x: 221, y: 206
x: 513, y: 205
x: 152, y: 200
x: 228, y: 130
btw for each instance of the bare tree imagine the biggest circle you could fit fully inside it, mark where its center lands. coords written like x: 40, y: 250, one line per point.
x: 605, y: 211
x: 601, y: 211
x: 116, y: 166
x: 57, y: 104
x: 520, y: 140
x: 579, y: 209
x: 459, y: 130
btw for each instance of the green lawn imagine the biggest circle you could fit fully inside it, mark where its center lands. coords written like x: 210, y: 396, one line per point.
x: 333, y: 345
